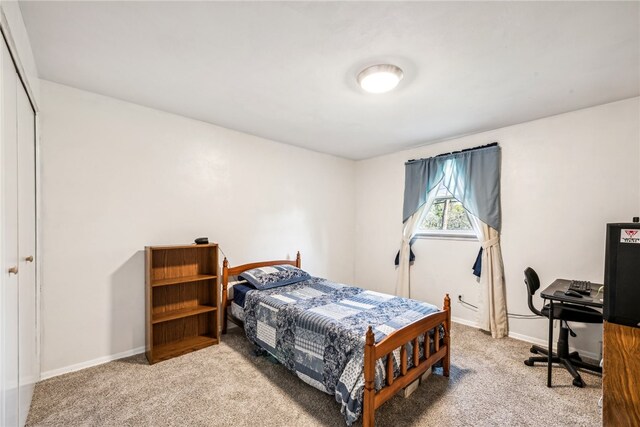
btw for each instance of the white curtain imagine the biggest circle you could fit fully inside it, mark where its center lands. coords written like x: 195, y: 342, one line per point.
x: 493, y: 301
x: 409, y: 230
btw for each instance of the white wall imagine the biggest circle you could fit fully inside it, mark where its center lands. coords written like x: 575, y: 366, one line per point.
x: 117, y: 177
x: 563, y: 178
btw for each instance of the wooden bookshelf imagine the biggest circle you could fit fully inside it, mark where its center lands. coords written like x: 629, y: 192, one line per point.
x: 182, y: 301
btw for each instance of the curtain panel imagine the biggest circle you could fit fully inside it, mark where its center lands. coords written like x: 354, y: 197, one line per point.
x: 410, y: 227
x: 473, y: 178
x: 492, y: 309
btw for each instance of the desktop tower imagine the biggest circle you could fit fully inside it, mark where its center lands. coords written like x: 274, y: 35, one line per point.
x: 622, y: 274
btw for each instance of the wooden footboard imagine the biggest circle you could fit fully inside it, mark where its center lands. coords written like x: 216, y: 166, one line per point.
x: 400, y: 339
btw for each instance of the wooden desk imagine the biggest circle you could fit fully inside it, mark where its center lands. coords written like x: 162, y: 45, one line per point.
x: 621, y: 378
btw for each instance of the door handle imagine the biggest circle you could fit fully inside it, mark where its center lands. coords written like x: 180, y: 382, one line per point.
x: 13, y: 270
x: 29, y: 258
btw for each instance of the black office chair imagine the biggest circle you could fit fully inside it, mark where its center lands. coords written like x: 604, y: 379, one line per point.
x: 565, y: 313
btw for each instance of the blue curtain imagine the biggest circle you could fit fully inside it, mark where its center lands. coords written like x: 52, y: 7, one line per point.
x: 420, y: 177
x: 472, y: 177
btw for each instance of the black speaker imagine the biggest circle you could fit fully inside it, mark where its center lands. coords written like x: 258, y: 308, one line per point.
x: 622, y: 274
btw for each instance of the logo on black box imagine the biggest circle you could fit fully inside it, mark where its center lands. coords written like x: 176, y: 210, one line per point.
x: 629, y: 236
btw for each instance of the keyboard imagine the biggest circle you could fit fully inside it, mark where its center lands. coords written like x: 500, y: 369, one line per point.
x: 580, y: 286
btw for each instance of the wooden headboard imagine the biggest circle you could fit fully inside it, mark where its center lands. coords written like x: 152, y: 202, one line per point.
x: 234, y: 271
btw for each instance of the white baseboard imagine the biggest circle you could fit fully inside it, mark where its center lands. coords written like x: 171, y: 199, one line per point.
x: 89, y: 363
x: 464, y: 322
x: 526, y: 338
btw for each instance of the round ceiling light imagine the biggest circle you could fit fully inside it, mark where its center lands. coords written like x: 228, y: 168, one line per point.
x: 380, y: 78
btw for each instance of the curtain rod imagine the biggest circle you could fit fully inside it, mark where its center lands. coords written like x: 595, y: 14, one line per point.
x: 493, y: 144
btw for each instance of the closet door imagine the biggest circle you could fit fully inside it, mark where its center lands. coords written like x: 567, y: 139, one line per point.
x: 28, y: 347
x: 10, y: 265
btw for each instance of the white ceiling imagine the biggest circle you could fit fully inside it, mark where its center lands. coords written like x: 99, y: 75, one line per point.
x: 286, y: 70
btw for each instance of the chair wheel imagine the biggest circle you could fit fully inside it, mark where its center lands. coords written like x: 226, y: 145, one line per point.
x: 578, y: 382
x: 528, y: 362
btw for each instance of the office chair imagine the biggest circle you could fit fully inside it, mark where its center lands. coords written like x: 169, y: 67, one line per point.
x: 565, y: 313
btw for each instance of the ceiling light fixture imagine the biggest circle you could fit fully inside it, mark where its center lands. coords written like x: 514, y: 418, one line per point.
x: 380, y: 78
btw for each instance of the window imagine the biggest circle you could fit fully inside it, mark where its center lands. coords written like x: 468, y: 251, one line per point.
x: 446, y: 218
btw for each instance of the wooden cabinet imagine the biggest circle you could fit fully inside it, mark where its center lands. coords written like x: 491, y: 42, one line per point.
x: 182, y: 312
x: 621, y: 376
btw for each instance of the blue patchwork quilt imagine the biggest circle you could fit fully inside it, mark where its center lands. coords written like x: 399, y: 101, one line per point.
x: 316, y: 328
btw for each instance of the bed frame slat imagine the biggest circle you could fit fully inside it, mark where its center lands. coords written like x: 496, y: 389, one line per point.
x: 403, y: 360
x: 427, y: 345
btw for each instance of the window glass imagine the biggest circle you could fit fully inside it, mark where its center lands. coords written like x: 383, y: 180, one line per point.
x: 457, y: 218
x: 434, y: 219
x: 447, y: 217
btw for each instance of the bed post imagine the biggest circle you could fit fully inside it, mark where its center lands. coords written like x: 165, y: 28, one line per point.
x: 298, y: 261
x: 225, y: 282
x: 446, y: 362
x: 369, y: 409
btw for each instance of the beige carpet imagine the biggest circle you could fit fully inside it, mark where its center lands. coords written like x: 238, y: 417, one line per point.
x: 226, y: 385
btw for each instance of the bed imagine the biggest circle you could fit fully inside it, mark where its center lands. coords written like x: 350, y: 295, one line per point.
x: 355, y: 344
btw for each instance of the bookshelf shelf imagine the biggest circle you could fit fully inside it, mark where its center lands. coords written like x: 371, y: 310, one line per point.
x: 185, y: 279
x: 187, y: 345
x: 180, y: 313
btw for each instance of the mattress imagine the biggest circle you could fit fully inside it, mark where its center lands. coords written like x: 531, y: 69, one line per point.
x: 237, y: 293
x: 240, y: 293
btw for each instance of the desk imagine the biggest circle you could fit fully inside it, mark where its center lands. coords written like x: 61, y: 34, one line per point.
x: 555, y: 293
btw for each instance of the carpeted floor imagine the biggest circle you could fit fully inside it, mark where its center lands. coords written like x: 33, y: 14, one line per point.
x: 226, y: 385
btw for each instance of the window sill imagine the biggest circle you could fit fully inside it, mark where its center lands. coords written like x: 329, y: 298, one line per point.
x: 446, y: 236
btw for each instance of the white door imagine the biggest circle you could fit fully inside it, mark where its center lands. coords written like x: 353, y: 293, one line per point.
x: 9, y: 239
x: 28, y: 366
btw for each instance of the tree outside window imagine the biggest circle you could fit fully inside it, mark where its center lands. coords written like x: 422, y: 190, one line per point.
x: 446, y: 218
